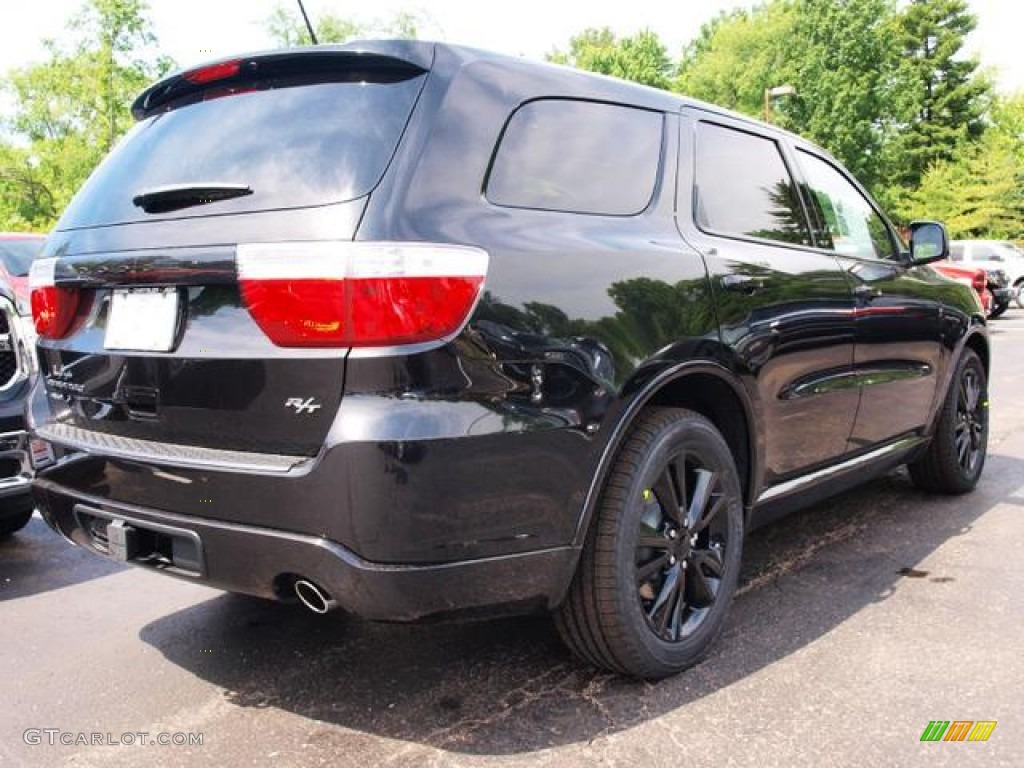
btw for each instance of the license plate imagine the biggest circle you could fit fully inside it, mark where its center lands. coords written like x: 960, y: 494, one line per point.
x: 41, y: 453
x: 142, y: 319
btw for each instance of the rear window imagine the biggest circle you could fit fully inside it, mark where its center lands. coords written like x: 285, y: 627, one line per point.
x: 313, y: 144
x: 579, y: 157
x: 17, y: 255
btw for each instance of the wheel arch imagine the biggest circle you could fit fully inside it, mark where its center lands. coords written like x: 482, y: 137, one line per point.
x: 977, y: 342
x: 705, y: 387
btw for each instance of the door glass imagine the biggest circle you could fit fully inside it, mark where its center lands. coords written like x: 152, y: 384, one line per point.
x: 848, y: 224
x: 744, y: 188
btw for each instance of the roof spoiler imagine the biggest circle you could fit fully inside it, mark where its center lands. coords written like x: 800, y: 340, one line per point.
x: 387, y: 60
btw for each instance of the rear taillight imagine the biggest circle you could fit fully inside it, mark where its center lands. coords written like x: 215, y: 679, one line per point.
x: 343, y: 294
x: 980, y: 281
x: 53, y: 307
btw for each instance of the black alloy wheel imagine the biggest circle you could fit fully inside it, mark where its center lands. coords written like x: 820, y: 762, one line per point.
x: 953, y: 461
x: 662, y: 557
x: 680, y: 548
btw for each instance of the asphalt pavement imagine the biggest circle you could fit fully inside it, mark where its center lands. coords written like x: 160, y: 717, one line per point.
x: 859, y: 621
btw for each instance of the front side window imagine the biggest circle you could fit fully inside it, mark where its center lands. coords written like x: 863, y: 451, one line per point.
x: 847, y: 222
x: 744, y: 188
x: 578, y: 157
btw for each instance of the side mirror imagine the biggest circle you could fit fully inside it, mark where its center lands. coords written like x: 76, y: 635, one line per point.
x: 928, y: 242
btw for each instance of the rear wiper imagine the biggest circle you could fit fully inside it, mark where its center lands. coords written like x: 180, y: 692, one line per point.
x: 174, y: 196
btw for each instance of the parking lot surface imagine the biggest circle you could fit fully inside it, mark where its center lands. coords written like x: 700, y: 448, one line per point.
x: 859, y: 621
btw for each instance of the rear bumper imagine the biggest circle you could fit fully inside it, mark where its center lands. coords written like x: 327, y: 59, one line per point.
x: 1004, y: 295
x: 265, y: 562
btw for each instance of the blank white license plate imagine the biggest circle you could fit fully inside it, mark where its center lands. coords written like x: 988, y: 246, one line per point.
x: 142, y: 319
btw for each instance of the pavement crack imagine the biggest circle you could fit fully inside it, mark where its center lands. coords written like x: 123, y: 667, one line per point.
x: 514, y: 700
x: 804, y: 556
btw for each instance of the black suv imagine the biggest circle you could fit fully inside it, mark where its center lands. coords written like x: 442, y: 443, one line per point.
x: 416, y: 330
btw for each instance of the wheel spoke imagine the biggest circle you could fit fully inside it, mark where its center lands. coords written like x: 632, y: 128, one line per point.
x: 676, y: 625
x: 650, y: 568
x: 669, y: 591
x: 670, y: 492
x: 973, y: 392
x: 705, y: 480
x: 653, y: 541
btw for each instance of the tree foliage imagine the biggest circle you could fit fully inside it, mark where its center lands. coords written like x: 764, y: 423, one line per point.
x: 71, y: 109
x: 948, y: 96
x: 737, y: 55
x: 642, y: 58
x: 287, y: 28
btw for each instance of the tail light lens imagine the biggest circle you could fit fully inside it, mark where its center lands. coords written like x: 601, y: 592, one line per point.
x: 53, y: 307
x: 980, y: 280
x: 343, y: 294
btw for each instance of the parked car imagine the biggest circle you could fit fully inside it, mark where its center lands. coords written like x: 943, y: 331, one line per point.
x: 974, y: 277
x: 416, y: 330
x: 1003, y: 293
x: 17, y: 374
x: 992, y: 254
x: 17, y: 249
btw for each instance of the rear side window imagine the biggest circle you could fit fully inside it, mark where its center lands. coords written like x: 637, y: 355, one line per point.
x: 956, y: 252
x: 312, y: 144
x: 744, y: 188
x: 579, y: 157
x: 849, y: 223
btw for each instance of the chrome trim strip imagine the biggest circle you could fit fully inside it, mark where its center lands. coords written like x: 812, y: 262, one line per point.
x: 168, y: 454
x: 784, y: 489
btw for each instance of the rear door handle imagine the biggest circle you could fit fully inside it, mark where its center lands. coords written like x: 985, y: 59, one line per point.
x: 742, y: 283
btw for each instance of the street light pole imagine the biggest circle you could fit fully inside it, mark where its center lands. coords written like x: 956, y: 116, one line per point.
x: 771, y: 93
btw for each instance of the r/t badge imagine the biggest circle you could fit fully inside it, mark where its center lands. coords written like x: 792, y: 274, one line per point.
x: 309, y: 405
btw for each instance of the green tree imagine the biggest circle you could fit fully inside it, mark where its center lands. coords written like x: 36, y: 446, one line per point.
x: 641, y: 58
x: 737, y: 55
x: 941, y: 89
x: 287, y: 28
x: 70, y: 110
x: 980, y: 193
x: 842, y: 59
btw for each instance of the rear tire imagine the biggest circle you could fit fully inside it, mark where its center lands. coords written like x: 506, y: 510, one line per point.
x: 662, y: 557
x: 15, y: 515
x: 955, y: 458
x: 998, y: 310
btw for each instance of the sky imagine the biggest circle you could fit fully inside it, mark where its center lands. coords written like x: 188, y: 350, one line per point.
x: 191, y: 31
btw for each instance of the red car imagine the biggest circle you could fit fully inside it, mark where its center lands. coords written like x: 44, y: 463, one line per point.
x: 17, y: 249
x: 972, y: 276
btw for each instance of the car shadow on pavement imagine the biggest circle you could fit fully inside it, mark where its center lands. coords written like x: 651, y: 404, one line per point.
x: 36, y: 560
x: 508, y: 686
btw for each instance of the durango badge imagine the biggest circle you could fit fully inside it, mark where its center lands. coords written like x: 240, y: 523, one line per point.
x: 309, y: 405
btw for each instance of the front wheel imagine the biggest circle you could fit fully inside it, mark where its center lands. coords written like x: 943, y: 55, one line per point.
x: 662, y: 557
x: 1020, y: 294
x: 953, y: 461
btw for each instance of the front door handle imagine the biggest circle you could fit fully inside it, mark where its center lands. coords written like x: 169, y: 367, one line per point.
x: 866, y: 292
x: 742, y: 283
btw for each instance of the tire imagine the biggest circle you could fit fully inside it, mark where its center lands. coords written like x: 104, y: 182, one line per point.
x: 998, y: 309
x: 655, y: 581
x: 15, y: 515
x: 953, y: 461
x: 1020, y: 294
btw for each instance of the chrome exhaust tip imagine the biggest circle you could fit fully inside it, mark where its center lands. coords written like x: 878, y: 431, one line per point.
x: 313, y: 597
